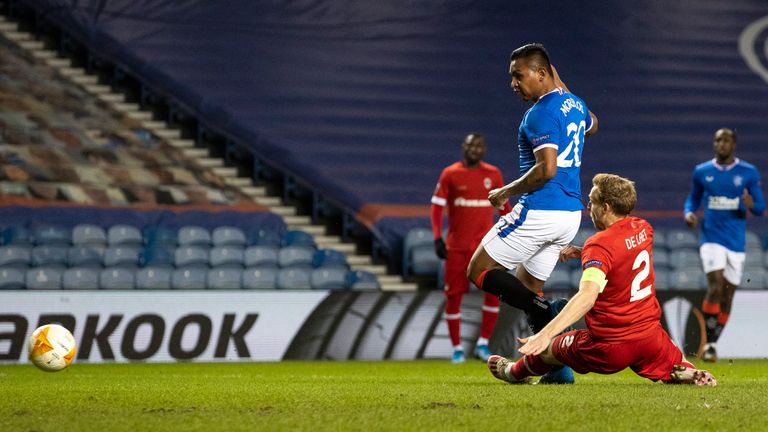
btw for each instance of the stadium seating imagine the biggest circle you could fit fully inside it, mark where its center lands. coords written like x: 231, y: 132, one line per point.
x: 156, y: 236
x: 16, y: 235
x: 682, y: 239
x: 260, y: 278
x: 330, y: 277
x: 124, y: 235
x: 117, y: 278
x: 262, y: 256
x: 191, y: 256
x: 45, y: 234
x: 688, y: 279
x: 194, y: 236
x: 81, y: 278
x: 294, y: 278
x: 85, y: 256
x: 330, y: 258
x: 262, y: 237
x: 43, y: 278
x: 192, y: 278
x: 681, y: 258
x: 559, y: 279
x: 229, y: 256
x: 419, y: 256
x: 582, y: 235
x: 15, y: 255
x: 158, y: 255
x: 298, y: 238
x: 12, y: 279
x: 224, y: 278
x: 53, y: 255
x: 662, y: 279
x: 296, y: 256
x: 361, y: 280
x: 754, y: 278
x: 228, y: 236
x: 121, y: 256
x: 150, y: 278
x: 88, y: 234
x: 661, y: 258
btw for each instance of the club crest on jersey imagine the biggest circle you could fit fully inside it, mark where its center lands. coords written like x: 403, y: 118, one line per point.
x: 709, y: 178
x: 738, y: 180
x: 592, y: 263
x: 487, y: 183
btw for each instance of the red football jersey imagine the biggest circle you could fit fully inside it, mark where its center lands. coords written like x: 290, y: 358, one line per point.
x: 464, y: 193
x: 627, y: 309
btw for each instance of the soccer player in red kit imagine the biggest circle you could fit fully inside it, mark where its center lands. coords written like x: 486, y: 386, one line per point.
x: 463, y: 189
x: 618, y: 296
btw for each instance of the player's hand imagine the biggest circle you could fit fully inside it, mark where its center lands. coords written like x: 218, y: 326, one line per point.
x: 570, y: 252
x: 691, y: 219
x: 440, y: 249
x: 535, y: 344
x: 747, y: 199
x: 498, y: 197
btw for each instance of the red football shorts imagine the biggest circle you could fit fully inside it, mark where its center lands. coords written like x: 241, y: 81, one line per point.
x: 456, y: 263
x: 652, y: 357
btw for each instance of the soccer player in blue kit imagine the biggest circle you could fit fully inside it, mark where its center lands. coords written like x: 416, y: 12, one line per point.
x: 548, y: 213
x: 728, y: 187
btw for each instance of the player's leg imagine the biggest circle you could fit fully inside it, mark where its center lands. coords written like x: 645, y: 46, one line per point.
x: 713, y: 259
x: 734, y: 267
x: 456, y: 285
x: 659, y: 359
x: 490, y: 316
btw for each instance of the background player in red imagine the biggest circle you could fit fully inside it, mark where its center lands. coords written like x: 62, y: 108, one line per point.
x: 463, y: 189
x: 618, y: 296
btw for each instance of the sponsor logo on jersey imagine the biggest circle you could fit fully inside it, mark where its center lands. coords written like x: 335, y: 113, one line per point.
x: 463, y: 202
x: 723, y: 203
x: 709, y: 178
x: 592, y: 263
x: 569, y: 104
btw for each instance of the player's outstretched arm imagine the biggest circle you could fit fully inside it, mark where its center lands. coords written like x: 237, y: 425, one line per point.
x: 576, y: 308
x: 544, y: 169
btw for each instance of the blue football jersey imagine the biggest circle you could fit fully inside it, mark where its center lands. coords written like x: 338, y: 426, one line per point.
x: 721, y: 188
x: 558, y: 120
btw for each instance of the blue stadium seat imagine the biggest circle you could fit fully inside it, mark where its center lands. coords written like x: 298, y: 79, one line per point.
x: 661, y: 278
x: 228, y: 236
x: 575, y: 277
x: 296, y: 256
x: 754, y: 278
x: 225, y: 278
x: 298, y: 238
x: 155, y: 235
x: 441, y: 275
x: 117, y: 278
x: 16, y: 255
x: 362, y: 280
x: 294, y: 278
x: 260, y: 256
x: 12, y: 279
x: 753, y: 240
x: 256, y: 278
x: 51, y: 234
x: 661, y: 258
x: 44, y: 278
x: 330, y: 258
x: 124, y: 235
x: 49, y: 255
x: 659, y: 239
x: 192, y: 278
x: 81, y: 278
x: 582, y: 235
x: 227, y: 256
x: 325, y: 278
x: 680, y: 258
x: 419, y: 244
x: 191, y: 256
x: 121, y: 256
x: 265, y: 237
x: 153, y: 277
x: 17, y: 235
x: 754, y: 257
x: 88, y: 234
x: 85, y: 256
x: 559, y: 279
x: 158, y: 255
x: 191, y: 235
x: 424, y: 260
x: 682, y: 239
x: 688, y: 279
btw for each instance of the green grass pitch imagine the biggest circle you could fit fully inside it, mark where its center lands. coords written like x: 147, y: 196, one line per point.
x: 396, y: 396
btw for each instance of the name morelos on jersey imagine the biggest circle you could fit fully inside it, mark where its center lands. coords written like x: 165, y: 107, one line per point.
x: 721, y: 188
x: 557, y: 120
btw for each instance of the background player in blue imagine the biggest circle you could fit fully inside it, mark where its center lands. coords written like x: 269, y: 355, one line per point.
x: 729, y: 187
x: 548, y: 213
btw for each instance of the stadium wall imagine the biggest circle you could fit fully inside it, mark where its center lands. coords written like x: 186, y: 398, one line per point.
x: 272, y: 326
